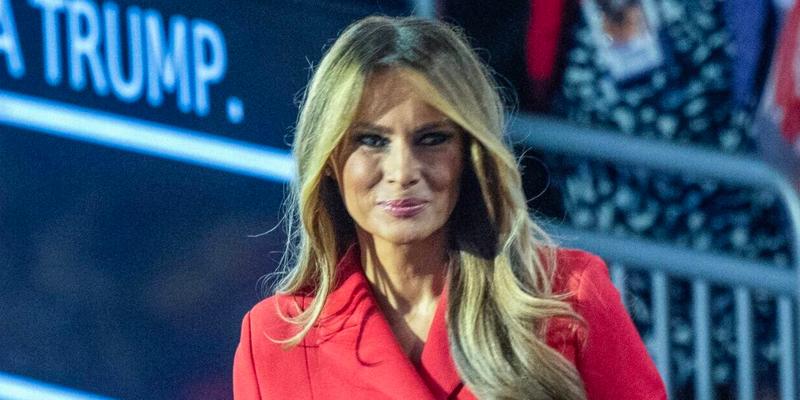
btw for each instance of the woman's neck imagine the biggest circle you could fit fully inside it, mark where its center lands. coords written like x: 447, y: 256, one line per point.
x: 409, y: 277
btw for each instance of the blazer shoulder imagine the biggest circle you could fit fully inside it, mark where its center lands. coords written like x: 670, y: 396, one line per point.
x: 572, y: 265
x: 609, y: 353
x: 260, y: 349
x: 271, y: 314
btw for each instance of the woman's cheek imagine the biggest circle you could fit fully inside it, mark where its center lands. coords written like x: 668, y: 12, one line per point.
x: 360, y: 175
x: 447, y: 176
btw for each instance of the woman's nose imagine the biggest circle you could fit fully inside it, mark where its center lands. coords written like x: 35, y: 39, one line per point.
x: 401, y: 165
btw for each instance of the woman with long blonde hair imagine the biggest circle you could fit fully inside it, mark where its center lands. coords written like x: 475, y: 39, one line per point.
x: 414, y: 270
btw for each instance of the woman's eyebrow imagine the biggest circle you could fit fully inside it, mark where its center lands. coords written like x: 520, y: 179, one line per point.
x: 445, y: 124
x: 371, y: 127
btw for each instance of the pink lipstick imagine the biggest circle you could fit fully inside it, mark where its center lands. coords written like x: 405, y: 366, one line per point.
x: 403, y: 208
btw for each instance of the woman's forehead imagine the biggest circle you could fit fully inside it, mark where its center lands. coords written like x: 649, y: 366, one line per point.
x: 388, y: 89
x: 385, y: 89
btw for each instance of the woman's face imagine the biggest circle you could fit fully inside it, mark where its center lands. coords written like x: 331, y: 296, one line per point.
x: 400, y: 167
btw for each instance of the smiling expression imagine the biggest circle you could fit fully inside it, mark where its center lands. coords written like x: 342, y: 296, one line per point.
x: 400, y: 165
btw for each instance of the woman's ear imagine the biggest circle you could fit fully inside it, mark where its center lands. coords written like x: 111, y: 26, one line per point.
x: 331, y: 165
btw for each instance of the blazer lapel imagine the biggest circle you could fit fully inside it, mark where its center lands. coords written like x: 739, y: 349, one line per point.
x: 356, y: 347
x: 438, y: 368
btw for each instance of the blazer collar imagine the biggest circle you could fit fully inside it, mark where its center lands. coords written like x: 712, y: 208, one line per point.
x: 354, y: 338
x: 437, y: 365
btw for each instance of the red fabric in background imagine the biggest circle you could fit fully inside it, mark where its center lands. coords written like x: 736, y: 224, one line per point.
x: 545, y: 41
x: 543, y: 38
x: 787, y: 75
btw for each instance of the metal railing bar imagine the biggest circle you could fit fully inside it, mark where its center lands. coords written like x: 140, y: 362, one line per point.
x: 703, y: 385
x: 744, y: 344
x: 618, y: 277
x: 678, y: 262
x: 564, y: 137
x: 556, y: 136
x: 786, y: 342
x: 661, y: 329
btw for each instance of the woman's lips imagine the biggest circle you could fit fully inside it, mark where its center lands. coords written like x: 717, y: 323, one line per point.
x: 403, y: 208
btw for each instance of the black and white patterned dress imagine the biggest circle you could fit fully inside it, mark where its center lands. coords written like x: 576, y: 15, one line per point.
x: 685, y: 100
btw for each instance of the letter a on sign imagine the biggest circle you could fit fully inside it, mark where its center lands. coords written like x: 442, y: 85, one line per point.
x: 9, y: 42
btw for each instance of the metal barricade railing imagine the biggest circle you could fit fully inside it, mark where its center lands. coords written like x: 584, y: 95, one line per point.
x: 664, y: 261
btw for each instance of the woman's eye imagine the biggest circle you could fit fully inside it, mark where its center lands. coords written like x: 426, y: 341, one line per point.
x: 371, y: 140
x: 434, y: 138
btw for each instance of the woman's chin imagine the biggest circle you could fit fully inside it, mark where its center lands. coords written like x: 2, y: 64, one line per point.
x: 405, y: 238
x: 409, y: 235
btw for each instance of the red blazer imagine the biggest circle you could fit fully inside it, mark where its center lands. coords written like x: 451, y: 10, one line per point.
x: 353, y: 354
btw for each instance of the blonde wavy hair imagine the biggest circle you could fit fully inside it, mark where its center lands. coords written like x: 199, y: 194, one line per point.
x: 501, y: 295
